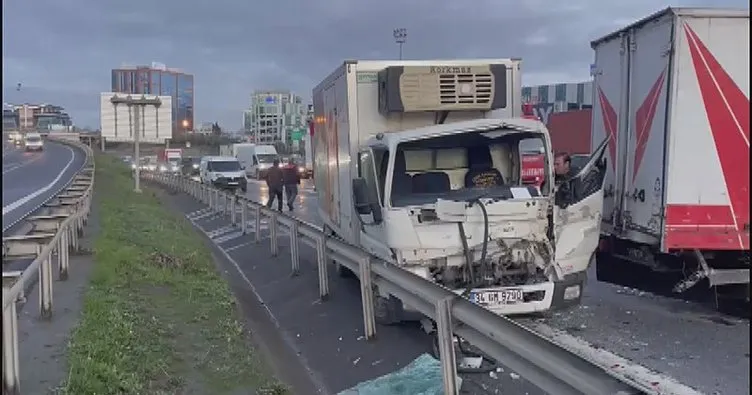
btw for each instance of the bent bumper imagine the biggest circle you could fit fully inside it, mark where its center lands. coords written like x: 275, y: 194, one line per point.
x: 241, y: 184
x: 537, y: 298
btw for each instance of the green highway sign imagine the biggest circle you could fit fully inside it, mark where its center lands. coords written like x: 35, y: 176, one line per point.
x: 297, y: 134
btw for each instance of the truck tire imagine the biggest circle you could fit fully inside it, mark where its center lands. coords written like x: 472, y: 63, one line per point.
x: 387, y: 310
x: 339, y: 269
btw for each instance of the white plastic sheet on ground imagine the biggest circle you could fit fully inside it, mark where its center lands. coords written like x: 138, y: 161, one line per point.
x: 421, y: 377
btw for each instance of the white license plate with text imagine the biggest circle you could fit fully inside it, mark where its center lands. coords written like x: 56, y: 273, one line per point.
x: 493, y: 298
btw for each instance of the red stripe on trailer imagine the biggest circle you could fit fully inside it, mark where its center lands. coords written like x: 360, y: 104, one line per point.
x: 703, y: 227
x: 644, y: 121
x: 610, y: 124
x: 727, y: 111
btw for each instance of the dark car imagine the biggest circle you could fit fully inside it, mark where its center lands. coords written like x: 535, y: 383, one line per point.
x: 190, y: 166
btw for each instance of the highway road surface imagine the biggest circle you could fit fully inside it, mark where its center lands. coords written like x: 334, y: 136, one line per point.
x: 31, y: 178
x: 691, y: 343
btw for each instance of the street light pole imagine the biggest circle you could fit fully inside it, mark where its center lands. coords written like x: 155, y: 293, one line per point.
x: 400, y: 37
x: 142, y: 102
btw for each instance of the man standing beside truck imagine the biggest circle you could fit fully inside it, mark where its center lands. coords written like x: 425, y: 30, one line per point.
x: 291, y: 180
x: 562, y: 166
x: 274, y: 181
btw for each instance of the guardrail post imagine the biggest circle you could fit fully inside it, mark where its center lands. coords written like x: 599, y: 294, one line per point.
x: 244, y: 215
x: 45, y: 287
x: 294, y: 248
x: 446, y: 345
x: 321, y: 263
x: 73, y: 238
x: 273, y: 233
x: 257, y: 223
x: 11, y: 373
x: 233, y: 211
x: 366, y: 293
x: 62, y: 255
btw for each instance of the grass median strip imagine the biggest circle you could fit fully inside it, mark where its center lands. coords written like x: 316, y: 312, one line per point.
x: 157, y: 318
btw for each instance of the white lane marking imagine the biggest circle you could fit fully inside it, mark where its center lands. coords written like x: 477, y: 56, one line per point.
x: 22, y: 164
x: 18, y: 203
x: 648, y: 380
x: 235, y: 247
x: 228, y: 237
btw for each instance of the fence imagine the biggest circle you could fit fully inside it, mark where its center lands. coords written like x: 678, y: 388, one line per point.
x: 542, y: 362
x: 54, y: 235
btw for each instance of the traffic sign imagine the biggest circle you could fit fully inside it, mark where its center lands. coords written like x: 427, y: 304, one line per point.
x: 297, y: 134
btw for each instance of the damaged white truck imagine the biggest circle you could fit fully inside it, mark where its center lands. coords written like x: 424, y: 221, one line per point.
x: 419, y: 162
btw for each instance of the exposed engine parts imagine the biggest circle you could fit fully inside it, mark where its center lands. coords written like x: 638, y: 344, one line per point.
x: 514, y: 262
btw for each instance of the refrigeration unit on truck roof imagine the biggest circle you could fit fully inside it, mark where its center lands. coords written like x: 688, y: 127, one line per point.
x: 442, y: 88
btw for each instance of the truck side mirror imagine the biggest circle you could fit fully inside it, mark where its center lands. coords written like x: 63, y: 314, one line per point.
x: 360, y: 197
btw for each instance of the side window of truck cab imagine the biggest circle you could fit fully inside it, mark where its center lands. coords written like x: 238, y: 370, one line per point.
x: 367, y: 171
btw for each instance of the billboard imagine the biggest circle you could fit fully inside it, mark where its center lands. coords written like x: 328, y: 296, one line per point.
x: 120, y: 123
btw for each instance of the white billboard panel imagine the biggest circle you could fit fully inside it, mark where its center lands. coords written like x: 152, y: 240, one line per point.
x: 120, y: 122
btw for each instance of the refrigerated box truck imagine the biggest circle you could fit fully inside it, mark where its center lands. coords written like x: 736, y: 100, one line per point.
x: 419, y: 163
x: 672, y: 97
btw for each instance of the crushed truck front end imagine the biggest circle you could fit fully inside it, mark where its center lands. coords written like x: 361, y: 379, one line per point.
x: 457, y: 211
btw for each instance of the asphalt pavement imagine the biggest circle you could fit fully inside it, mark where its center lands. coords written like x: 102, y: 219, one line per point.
x: 31, y: 178
x: 690, y: 343
x: 660, y: 340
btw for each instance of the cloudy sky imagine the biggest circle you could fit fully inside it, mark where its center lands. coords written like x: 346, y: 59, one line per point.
x: 62, y: 51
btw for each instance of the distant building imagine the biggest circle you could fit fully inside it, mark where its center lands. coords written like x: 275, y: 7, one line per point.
x: 42, y: 117
x: 548, y: 99
x: 275, y: 117
x: 157, y: 79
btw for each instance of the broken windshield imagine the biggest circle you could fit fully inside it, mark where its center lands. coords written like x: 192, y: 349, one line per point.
x: 465, y: 166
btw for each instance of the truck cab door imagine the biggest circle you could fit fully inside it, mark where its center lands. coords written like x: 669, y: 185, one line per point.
x: 371, y: 225
x: 577, y: 214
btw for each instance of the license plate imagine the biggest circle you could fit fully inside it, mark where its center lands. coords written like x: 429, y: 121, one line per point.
x: 506, y: 296
x: 232, y: 183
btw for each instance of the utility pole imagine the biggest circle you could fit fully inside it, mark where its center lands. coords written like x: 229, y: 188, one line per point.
x: 142, y: 101
x: 400, y: 37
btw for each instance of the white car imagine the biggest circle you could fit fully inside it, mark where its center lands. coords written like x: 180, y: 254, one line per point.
x: 33, y: 142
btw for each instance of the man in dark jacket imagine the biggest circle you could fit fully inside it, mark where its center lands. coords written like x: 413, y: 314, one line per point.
x: 563, y: 167
x: 274, y: 182
x: 291, y: 180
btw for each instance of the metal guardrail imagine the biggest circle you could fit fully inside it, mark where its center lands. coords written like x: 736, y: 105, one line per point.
x: 54, y: 235
x: 536, y: 358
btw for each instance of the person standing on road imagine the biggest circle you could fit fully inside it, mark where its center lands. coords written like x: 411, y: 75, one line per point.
x: 275, y: 183
x: 291, y: 180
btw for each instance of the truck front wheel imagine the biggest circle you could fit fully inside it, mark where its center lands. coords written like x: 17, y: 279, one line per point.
x: 339, y: 269
x: 386, y: 310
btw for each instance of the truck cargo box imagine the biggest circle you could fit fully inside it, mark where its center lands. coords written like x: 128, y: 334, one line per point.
x: 672, y: 94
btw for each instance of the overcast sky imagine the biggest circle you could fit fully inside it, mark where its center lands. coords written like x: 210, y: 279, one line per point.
x: 62, y: 51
